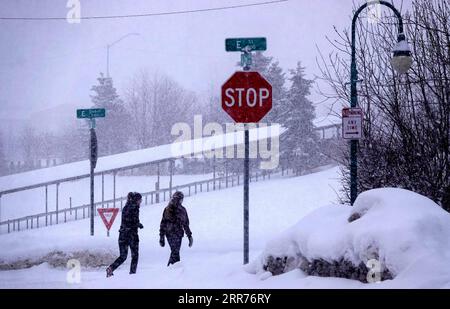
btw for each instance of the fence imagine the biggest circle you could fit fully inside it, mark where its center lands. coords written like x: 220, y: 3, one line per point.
x: 152, y: 197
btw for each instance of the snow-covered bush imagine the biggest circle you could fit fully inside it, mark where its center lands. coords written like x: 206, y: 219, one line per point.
x: 400, y: 231
x: 59, y: 259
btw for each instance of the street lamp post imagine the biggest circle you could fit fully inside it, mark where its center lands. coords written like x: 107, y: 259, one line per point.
x: 110, y: 45
x: 401, y: 61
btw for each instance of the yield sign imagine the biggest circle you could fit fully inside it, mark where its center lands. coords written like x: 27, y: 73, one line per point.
x: 108, y: 215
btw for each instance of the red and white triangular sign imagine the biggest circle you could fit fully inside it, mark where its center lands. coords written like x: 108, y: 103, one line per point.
x: 108, y: 216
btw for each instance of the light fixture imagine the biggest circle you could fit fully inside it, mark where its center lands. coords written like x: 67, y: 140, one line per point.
x: 402, y: 57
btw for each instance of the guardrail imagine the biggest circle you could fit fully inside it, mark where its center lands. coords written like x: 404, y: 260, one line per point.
x: 83, y: 211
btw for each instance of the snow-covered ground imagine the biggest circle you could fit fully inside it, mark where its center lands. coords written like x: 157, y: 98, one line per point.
x: 214, y: 261
x: 410, y: 231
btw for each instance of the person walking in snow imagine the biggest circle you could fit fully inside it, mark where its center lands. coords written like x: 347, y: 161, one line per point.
x: 128, y: 234
x: 174, y: 224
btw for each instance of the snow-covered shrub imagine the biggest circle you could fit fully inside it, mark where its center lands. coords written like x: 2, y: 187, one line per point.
x: 59, y: 259
x: 396, y: 228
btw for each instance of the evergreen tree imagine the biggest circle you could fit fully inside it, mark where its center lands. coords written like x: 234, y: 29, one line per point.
x: 113, y: 130
x: 261, y: 63
x: 277, y: 78
x: 299, y: 148
x: 274, y: 74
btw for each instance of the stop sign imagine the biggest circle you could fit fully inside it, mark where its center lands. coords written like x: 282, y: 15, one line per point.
x: 246, y: 97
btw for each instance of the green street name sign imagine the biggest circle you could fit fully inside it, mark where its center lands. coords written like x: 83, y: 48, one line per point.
x: 232, y: 45
x: 91, y: 113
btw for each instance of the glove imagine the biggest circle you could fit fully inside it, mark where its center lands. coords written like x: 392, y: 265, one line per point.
x: 191, y: 241
x: 140, y: 226
x: 161, y: 241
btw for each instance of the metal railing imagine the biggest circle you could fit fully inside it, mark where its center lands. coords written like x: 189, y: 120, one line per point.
x: 151, y: 197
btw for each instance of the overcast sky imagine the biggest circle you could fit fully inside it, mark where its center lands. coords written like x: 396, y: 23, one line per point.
x: 44, y: 64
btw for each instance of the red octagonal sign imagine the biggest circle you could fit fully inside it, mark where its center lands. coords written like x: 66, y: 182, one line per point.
x: 246, y: 97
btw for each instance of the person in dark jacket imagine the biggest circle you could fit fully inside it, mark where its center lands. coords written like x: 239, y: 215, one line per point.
x: 174, y: 224
x: 128, y: 234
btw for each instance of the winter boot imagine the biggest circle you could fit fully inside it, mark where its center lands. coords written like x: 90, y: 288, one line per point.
x: 109, y: 272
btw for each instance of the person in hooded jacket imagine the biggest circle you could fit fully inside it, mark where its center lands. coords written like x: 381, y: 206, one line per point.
x: 174, y: 224
x: 128, y: 234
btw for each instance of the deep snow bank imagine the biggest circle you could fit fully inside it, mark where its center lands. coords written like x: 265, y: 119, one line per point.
x: 407, y: 233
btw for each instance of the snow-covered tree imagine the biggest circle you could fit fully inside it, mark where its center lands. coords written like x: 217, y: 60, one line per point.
x: 29, y: 143
x: 155, y: 103
x: 261, y: 62
x: 273, y: 73
x: 73, y: 143
x: 113, y: 130
x: 298, y: 146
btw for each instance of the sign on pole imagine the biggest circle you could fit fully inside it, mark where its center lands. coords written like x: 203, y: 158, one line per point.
x: 250, y: 44
x: 108, y: 216
x: 352, y: 123
x: 91, y: 113
x: 246, y: 97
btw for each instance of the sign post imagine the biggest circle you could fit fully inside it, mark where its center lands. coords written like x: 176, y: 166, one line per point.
x: 247, y: 98
x: 91, y: 114
x: 108, y: 216
x: 352, y: 130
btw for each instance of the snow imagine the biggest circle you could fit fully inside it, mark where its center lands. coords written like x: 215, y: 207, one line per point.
x: 410, y: 233
x: 30, y: 202
x: 407, y: 232
x: 214, y: 261
x: 126, y: 159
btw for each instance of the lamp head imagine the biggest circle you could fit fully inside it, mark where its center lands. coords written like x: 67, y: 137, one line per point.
x: 402, y: 57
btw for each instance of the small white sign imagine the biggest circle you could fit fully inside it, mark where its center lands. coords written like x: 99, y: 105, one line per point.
x: 352, y: 123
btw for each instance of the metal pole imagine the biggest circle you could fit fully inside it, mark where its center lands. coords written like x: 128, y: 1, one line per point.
x: 246, y: 174
x: 46, y: 205
x: 246, y: 196
x: 157, y: 187
x: 110, y: 45
x: 226, y: 173
x: 214, y: 173
x: 114, y: 189
x: 92, y: 182
x: 170, y: 180
x: 57, y: 203
x: 354, y: 92
x: 353, y: 103
x: 103, y: 190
